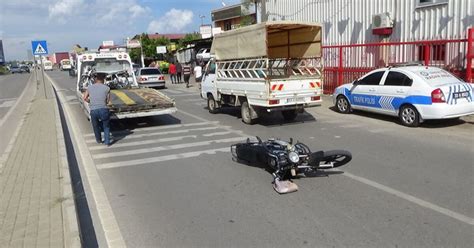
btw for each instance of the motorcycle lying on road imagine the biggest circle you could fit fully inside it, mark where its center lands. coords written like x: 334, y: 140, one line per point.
x: 286, y: 160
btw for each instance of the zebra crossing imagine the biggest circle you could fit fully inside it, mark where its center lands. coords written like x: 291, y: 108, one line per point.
x: 155, y: 145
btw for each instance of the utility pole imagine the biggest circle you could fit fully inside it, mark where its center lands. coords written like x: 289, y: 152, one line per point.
x: 141, y: 52
x: 202, y: 19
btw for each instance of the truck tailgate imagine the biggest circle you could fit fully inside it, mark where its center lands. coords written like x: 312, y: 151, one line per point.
x: 141, y: 99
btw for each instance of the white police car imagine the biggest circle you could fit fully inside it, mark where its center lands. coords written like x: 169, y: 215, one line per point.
x: 413, y: 93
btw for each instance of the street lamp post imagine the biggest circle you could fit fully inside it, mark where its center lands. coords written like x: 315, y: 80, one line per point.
x: 202, y: 19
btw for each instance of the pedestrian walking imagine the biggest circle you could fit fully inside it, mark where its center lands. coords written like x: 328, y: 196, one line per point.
x: 172, y: 72
x: 179, y: 71
x: 98, y: 95
x: 198, y: 73
x: 187, y: 73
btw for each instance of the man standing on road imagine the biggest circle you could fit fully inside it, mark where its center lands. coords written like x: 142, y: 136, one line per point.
x: 179, y: 70
x: 198, y: 72
x: 172, y: 71
x: 187, y: 73
x: 98, y: 95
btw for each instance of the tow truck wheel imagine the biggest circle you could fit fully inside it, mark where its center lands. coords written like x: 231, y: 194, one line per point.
x: 342, y: 105
x: 289, y: 115
x: 246, y: 113
x: 211, y: 104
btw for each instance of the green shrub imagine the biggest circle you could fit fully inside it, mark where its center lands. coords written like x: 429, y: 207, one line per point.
x: 3, y: 70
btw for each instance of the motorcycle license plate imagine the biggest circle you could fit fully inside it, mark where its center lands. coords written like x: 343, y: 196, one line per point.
x: 295, y: 99
x: 457, y: 95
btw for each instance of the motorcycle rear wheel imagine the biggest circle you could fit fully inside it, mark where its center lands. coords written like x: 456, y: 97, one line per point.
x: 337, y: 157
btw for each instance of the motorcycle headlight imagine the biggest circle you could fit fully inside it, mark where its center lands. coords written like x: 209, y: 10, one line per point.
x: 294, y: 157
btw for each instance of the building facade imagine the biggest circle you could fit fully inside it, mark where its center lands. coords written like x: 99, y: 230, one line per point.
x: 232, y: 17
x: 360, y: 35
x: 351, y: 21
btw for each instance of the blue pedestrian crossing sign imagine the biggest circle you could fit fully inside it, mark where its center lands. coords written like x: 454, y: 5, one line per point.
x: 39, y: 47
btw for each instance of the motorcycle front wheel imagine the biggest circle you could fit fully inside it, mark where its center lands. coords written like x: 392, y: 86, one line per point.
x: 337, y: 157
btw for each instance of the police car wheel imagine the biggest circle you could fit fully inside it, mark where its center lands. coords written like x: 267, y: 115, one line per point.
x: 409, y: 116
x: 343, y: 105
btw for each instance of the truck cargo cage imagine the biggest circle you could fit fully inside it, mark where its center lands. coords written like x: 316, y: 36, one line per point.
x: 260, y: 69
x: 275, y: 49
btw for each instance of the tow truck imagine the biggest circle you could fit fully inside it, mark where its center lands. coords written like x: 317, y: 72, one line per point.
x: 128, y: 100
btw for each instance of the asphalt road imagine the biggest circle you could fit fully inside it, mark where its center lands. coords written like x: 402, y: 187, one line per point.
x: 14, y: 98
x: 11, y: 86
x: 171, y: 182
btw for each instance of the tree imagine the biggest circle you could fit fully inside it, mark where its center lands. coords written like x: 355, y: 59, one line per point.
x: 148, y: 46
x: 187, y: 38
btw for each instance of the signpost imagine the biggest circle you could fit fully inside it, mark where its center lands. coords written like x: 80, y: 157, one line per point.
x: 161, y: 49
x: 40, y: 47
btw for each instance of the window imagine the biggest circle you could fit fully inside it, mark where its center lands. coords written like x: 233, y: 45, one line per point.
x: 372, y: 79
x: 397, y: 79
x: 149, y: 72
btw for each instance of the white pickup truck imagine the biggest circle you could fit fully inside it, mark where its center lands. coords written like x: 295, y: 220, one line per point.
x: 266, y: 67
x: 128, y: 100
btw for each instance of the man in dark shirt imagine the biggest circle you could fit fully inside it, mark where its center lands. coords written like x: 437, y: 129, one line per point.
x: 98, y: 95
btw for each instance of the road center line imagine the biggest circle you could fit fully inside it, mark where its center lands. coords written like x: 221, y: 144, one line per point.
x: 412, y: 199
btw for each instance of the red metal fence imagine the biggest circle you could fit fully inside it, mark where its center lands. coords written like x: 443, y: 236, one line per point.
x: 344, y: 63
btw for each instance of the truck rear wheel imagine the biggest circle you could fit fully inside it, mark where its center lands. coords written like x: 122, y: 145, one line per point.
x: 211, y: 104
x: 289, y: 115
x: 246, y: 113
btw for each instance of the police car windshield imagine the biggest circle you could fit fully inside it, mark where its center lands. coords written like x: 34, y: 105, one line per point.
x: 436, y: 77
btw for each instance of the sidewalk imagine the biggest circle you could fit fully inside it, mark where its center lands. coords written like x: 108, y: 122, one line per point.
x: 36, y: 202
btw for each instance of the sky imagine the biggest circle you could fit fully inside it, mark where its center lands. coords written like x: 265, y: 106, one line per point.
x: 63, y: 23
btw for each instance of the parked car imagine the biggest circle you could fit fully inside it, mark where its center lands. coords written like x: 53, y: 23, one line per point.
x: 413, y: 93
x: 15, y: 69
x: 25, y: 68
x: 204, y: 54
x: 150, y: 77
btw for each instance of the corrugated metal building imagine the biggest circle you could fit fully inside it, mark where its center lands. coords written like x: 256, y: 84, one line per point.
x: 430, y: 31
x: 350, y: 21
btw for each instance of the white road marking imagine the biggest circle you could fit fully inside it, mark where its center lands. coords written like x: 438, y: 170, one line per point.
x: 163, y: 127
x: 146, y: 135
x: 221, y: 133
x: 413, y: 199
x: 7, y: 104
x: 193, y: 100
x: 242, y: 134
x: 165, y: 148
x: 161, y: 158
x: 7, y: 99
x: 381, y: 130
x: 71, y: 98
x: 200, y: 104
x: 143, y: 142
x: 191, y: 94
x: 351, y: 126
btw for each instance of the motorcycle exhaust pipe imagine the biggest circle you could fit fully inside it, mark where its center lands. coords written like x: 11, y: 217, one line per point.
x: 326, y: 166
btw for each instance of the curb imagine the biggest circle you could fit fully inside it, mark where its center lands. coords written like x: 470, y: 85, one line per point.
x: 6, y: 154
x: 70, y: 222
x: 106, y: 218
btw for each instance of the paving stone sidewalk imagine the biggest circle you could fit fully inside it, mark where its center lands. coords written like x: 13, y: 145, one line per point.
x: 32, y: 182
